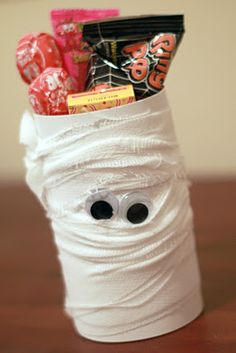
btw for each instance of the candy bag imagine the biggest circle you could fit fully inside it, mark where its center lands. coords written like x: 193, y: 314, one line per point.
x: 135, y: 50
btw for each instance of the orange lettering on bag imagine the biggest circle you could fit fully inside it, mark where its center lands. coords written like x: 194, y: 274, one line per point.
x: 161, y: 43
x: 139, y: 69
x: 136, y: 50
x: 163, y: 65
x: 156, y: 79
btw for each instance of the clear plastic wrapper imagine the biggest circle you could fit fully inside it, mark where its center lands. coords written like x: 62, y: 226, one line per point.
x: 67, y: 26
x: 34, y: 53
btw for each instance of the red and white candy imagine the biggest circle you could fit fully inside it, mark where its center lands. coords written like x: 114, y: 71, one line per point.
x: 34, y: 53
x: 48, y: 92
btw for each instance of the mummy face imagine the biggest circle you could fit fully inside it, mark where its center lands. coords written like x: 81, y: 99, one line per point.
x: 134, y: 207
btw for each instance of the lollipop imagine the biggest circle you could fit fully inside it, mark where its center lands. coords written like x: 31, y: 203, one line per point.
x: 48, y: 92
x: 35, y: 52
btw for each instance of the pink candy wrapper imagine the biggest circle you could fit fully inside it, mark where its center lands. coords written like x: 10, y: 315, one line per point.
x: 68, y: 26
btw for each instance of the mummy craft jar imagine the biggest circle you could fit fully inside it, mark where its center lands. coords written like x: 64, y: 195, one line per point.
x: 113, y: 184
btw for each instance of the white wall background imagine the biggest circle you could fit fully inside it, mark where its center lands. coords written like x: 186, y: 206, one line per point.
x: 201, y: 82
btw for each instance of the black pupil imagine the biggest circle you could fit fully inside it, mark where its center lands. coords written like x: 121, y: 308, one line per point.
x: 101, y: 210
x: 137, y: 213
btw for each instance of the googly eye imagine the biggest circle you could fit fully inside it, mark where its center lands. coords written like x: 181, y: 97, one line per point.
x: 135, y: 208
x: 102, y: 204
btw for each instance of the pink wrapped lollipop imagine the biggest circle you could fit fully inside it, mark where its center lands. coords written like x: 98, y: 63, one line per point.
x: 34, y: 53
x: 48, y: 92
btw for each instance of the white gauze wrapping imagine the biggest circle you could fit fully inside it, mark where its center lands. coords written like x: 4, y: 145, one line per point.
x: 123, y: 281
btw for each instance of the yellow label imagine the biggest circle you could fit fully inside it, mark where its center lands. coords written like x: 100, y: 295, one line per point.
x: 97, y: 100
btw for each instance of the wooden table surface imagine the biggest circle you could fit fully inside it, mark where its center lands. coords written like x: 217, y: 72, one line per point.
x: 31, y: 290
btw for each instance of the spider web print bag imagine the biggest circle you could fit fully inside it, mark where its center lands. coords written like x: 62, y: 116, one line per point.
x: 114, y: 186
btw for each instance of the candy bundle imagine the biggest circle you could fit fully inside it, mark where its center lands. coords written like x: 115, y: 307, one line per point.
x: 96, y: 50
x: 57, y: 67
